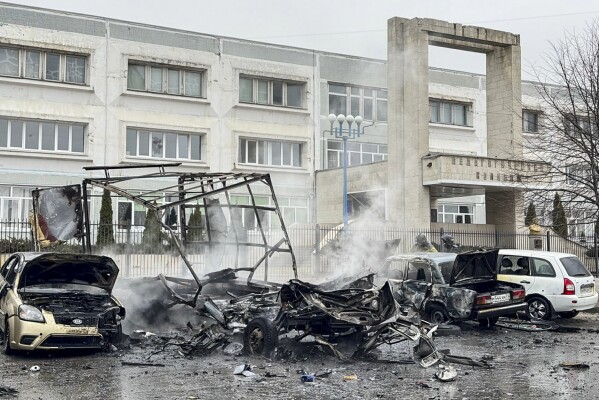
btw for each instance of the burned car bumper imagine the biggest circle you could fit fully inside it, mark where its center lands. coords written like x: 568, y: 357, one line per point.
x: 499, y: 311
x: 27, y: 335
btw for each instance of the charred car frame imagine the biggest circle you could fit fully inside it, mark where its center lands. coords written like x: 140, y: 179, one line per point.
x: 473, y: 292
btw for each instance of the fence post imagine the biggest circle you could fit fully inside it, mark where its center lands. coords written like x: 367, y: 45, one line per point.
x: 496, y: 238
x: 316, y: 261
x: 595, y: 253
x: 548, y: 241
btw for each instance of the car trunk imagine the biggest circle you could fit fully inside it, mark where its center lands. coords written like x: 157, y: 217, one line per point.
x: 477, y: 270
x: 579, y: 275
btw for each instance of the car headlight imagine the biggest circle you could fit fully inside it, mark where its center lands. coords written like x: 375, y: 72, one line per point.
x: 30, y: 313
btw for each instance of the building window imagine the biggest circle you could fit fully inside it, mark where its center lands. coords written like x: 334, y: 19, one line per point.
x: 580, y: 125
x: 530, y: 121
x: 130, y: 214
x: 450, y: 113
x: 165, y: 79
x: 576, y: 174
x: 15, y: 203
x: 455, y: 213
x: 42, y: 135
x: 270, y: 152
x: 293, y: 210
x: 357, y: 153
x: 369, y: 103
x: 271, y: 92
x: 163, y: 144
x: 43, y: 65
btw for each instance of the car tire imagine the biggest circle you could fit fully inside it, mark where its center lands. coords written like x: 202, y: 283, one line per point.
x: 436, y: 314
x: 7, y: 349
x: 488, y: 322
x: 568, y: 314
x: 538, y: 308
x: 260, y: 337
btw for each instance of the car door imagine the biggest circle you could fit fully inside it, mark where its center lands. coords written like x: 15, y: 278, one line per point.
x: 516, y: 269
x: 545, y: 282
x: 7, y: 274
x: 411, y: 278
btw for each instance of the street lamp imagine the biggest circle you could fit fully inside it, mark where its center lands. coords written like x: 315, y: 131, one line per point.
x: 348, y: 133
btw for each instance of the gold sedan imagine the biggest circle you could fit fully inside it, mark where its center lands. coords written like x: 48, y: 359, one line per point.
x: 58, y: 301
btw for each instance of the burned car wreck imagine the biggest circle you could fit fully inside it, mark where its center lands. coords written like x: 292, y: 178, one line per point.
x: 473, y: 292
x: 58, y: 301
x: 359, y: 313
x: 360, y: 310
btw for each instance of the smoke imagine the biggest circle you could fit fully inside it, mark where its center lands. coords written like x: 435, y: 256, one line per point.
x: 147, y: 304
x: 366, y: 244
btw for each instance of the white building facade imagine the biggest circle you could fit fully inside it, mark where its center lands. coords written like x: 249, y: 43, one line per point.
x: 79, y: 90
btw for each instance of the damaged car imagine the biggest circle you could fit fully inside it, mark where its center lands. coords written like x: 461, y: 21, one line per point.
x: 472, y: 293
x: 58, y: 301
x: 360, y: 310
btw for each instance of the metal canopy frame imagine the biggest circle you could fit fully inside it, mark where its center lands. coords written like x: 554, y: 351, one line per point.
x: 193, y: 190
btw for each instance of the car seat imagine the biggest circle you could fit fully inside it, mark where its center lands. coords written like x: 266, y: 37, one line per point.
x: 506, y: 266
x: 523, y: 264
x: 420, y: 275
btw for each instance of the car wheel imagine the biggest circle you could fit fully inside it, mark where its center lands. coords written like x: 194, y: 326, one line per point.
x: 488, y: 322
x: 568, y: 314
x: 260, y: 336
x: 436, y: 314
x: 538, y: 308
x: 6, y: 340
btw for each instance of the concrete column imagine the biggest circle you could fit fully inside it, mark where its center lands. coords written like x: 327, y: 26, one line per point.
x: 407, y: 70
x: 504, y: 103
x: 505, y: 210
x: 504, y: 131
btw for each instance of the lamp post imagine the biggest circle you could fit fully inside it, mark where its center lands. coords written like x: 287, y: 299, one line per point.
x: 345, y: 134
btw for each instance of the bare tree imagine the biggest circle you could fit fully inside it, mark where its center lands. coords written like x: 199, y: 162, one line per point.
x: 568, y: 141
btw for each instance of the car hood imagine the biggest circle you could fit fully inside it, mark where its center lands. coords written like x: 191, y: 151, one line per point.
x: 80, y: 269
x: 479, y: 265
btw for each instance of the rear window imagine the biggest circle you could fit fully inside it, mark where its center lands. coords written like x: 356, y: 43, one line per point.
x: 574, y: 267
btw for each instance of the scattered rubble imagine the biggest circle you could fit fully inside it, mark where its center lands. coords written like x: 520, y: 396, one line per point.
x: 574, y: 365
x: 446, y: 373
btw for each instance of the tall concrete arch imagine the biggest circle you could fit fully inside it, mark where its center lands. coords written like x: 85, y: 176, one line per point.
x: 408, y: 200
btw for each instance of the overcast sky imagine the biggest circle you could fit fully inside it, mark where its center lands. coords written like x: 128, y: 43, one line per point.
x: 351, y: 26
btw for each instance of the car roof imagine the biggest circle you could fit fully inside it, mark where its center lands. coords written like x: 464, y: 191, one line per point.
x: 438, y: 257
x: 30, y: 255
x: 533, y: 253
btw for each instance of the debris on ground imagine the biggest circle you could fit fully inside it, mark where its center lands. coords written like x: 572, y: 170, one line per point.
x: 8, y: 391
x: 240, y: 369
x: 446, y: 373
x: 307, y: 378
x: 574, y: 365
x: 351, y: 377
x: 141, y: 364
x: 323, y: 374
x: 466, y: 361
x: 34, y: 368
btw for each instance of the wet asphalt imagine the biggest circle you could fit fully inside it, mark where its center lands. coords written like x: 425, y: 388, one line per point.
x: 525, y: 365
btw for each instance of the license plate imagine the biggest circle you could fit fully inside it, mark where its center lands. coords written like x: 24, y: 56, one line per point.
x: 500, y: 298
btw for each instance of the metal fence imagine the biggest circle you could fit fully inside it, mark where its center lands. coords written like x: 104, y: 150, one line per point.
x: 320, y: 250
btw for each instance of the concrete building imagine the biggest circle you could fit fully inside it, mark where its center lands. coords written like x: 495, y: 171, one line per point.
x: 79, y: 90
